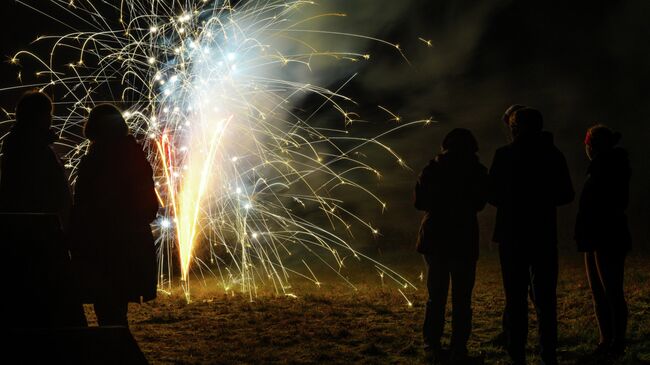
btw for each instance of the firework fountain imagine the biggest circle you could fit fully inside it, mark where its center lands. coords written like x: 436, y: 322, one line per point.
x: 208, y: 87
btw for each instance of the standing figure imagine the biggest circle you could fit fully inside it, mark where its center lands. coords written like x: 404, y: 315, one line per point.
x: 501, y: 340
x: 452, y: 189
x: 602, y: 234
x: 35, y: 203
x: 114, y: 204
x: 33, y: 179
x: 529, y: 179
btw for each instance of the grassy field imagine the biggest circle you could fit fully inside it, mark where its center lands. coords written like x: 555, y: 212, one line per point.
x: 372, y: 325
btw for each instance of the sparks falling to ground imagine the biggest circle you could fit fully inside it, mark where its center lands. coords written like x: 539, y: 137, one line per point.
x: 212, y: 88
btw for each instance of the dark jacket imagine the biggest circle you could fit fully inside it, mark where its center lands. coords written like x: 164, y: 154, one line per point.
x: 35, y: 250
x: 114, y: 204
x: 529, y: 179
x: 451, y: 190
x: 601, y: 222
x: 33, y: 179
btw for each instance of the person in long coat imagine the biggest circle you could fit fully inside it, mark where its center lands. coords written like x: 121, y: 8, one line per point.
x: 35, y: 202
x: 451, y: 189
x: 529, y: 179
x: 114, y: 204
x: 602, y: 233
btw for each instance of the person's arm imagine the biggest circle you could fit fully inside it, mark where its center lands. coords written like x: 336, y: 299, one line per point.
x: 620, y: 190
x: 481, y: 188
x: 79, y: 205
x: 144, y: 191
x: 5, y: 182
x: 564, y: 193
x: 423, y: 189
x: 61, y: 190
x: 496, y: 180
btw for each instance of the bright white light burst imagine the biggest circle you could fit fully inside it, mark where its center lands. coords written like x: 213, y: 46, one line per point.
x: 212, y: 88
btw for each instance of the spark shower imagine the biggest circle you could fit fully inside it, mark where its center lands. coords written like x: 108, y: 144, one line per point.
x: 212, y: 89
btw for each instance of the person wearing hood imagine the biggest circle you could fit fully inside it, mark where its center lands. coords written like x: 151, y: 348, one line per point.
x: 602, y: 233
x: 451, y: 189
x: 35, y: 203
x: 114, y: 204
x: 529, y: 179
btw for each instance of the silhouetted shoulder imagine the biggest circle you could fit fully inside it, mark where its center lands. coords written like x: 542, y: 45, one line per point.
x: 134, y: 148
x: 614, y: 163
x: 482, y: 169
x: 503, y: 149
x: 431, y: 167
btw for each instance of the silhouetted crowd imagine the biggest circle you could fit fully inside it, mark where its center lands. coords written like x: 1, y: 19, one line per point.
x: 527, y: 181
x: 94, y: 246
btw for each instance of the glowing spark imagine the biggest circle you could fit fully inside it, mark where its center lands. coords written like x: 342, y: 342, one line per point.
x: 396, y: 118
x: 428, y: 42
x: 408, y: 302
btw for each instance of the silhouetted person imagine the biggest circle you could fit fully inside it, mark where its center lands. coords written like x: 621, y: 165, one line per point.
x: 35, y: 201
x: 602, y: 234
x: 114, y: 203
x: 529, y: 178
x: 33, y: 179
x: 452, y: 189
x: 501, y: 339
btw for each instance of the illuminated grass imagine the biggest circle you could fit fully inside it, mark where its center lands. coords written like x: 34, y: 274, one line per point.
x: 372, y: 325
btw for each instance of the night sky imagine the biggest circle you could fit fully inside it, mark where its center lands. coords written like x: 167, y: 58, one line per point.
x: 579, y: 63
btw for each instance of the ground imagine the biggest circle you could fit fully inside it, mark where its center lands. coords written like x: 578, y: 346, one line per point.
x: 371, y: 325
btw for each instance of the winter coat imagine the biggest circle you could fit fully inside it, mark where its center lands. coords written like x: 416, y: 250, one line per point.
x: 529, y: 179
x: 114, y: 204
x: 451, y: 190
x: 601, y: 222
x: 35, y: 201
x: 32, y: 178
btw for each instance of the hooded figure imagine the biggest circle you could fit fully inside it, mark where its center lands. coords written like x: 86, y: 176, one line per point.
x: 114, y: 204
x: 35, y: 203
x: 529, y: 179
x: 452, y: 189
x: 602, y: 233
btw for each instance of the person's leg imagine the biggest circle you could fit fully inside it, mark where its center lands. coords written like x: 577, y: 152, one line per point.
x: 111, y: 312
x: 434, y: 317
x: 544, y: 274
x: 463, y: 275
x: 601, y: 305
x: 501, y: 339
x: 514, y: 268
x: 504, y: 321
x: 504, y: 263
x: 611, y: 268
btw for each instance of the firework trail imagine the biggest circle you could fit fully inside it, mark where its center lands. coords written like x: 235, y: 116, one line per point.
x: 208, y: 87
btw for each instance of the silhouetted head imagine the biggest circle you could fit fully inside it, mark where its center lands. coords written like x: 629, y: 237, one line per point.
x: 600, y: 138
x: 526, y: 122
x: 105, y: 123
x: 460, y: 141
x: 510, y: 112
x: 34, y: 111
